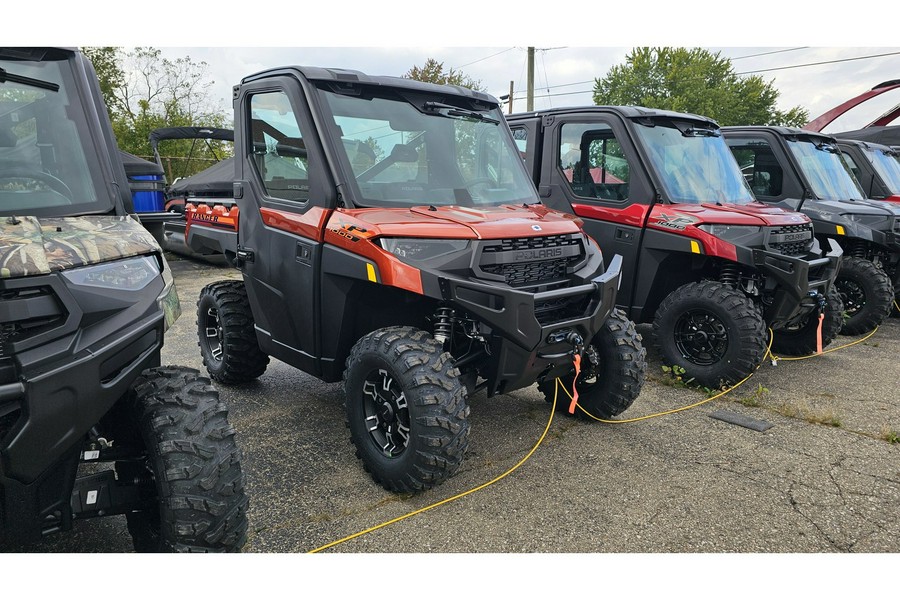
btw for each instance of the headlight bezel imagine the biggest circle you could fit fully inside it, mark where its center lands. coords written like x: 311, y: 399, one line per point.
x: 422, y: 249
x: 728, y: 232
x: 136, y: 272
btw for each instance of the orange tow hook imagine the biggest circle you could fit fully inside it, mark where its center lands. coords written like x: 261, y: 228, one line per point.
x: 574, y: 403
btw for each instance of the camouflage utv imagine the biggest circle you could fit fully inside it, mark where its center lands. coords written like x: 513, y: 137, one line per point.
x: 90, y: 423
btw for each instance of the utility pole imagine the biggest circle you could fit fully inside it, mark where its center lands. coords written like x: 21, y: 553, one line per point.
x: 509, y: 110
x: 530, y: 97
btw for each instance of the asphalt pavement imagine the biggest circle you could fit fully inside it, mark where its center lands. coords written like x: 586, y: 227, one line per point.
x: 823, y: 478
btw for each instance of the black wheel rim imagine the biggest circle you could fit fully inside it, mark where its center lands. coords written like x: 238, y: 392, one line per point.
x: 213, y: 335
x: 386, y: 413
x: 701, y: 337
x: 853, y: 295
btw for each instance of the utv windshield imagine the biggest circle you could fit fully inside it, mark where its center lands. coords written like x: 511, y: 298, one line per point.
x: 887, y: 166
x: 414, y: 151
x: 693, y: 163
x: 47, y: 164
x: 828, y: 174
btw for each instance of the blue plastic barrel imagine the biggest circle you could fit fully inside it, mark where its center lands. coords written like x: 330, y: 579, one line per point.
x: 149, y: 196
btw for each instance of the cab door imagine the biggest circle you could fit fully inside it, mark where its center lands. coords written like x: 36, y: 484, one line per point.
x: 286, y: 196
x: 589, y: 167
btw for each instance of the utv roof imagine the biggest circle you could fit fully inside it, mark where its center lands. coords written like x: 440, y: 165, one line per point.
x: 864, y: 144
x: 783, y: 131
x: 189, y: 133
x: 629, y: 112
x: 217, y: 180
x: 350, y: 76
x: 135, y: 165
x: 886, y: 136
x: 34, y: 53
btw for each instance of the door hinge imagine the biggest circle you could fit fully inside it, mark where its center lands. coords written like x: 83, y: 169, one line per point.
x: 245, y: 255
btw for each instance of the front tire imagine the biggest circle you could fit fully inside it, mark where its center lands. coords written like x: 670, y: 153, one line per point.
x: 406, y: 409
x: 614, y: 384
x: 867, y: 294
x: 713, y: 331
x: 800, y: 340
x: 226, y: 334
x: 192, y: 460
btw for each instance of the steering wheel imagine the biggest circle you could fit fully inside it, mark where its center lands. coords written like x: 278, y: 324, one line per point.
x: 480, y: 181
x: 54, y: 183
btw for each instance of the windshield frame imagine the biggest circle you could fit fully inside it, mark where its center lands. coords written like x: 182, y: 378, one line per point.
x: 697, y: 186
x: 77, y: 150
x: 840, y: 184
x: 426, y: 126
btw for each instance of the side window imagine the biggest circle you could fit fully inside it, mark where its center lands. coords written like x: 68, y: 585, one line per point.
x: 278, y: 148
x: 854, y: 168
x: 520, y: 136
x: 593, y: 162
x: 760, y: 167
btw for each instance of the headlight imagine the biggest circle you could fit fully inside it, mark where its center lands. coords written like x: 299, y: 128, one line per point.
x: 132, y: 274
x: 421, y: 249
x: 866, y: 219
x: 168, y: 299
x: 729, y: 232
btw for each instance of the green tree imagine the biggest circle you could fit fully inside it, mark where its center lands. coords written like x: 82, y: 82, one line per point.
x: 106, y: 61
x: 144, y: 91
x: 695, y: 81
x: 433, y: 72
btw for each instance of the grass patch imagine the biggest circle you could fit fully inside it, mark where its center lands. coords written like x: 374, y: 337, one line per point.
x: 755, y: 398
x: 891, y: 436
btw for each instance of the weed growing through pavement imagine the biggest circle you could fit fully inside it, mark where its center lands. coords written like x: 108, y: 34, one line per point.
x: 676, y: 379
x: 756, y: 398
x: 890, y: 435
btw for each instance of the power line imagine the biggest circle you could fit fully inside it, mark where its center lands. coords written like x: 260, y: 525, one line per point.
x: 767, y: 53
x: 486, y: 57
x: 825, y: 62
x: 741, y: 73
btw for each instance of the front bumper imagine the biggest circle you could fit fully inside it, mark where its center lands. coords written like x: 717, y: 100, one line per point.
x: 525, y: 336
x: 66, y: 380
x: 797, y: 282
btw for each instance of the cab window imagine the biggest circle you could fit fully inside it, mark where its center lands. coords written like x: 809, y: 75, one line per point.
x: 593, y: 162
x: 279, y: 152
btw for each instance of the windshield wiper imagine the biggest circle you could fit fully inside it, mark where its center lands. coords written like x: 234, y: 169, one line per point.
x: 698, y: 132
x: 38, y: 83
x: 826, y: 147
x: 455, y: 111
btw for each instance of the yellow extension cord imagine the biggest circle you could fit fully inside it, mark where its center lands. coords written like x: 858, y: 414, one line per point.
x: 559, y: 384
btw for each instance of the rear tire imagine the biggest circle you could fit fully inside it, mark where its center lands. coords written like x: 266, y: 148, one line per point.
x: 406, y: 409
x: 867, y: 294
x: 193, y: 461
x: 617, y: 381
x: 713, y: 331
x: 226, y: 334
x: 801, y: 340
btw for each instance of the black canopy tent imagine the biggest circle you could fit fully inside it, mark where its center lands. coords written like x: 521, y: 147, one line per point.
x: 886, y: 136
x: 213, y: 182
x: 187, y: 133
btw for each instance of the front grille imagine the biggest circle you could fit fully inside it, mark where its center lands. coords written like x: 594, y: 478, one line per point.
x: 533, y: 261
x: 557, y: 310
x: 44, y: 314
x: 6, y: 339
x: 897, y: 225
x: 791, y: 240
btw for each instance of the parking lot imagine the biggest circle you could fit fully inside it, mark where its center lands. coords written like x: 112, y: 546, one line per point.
x: 825, y: 478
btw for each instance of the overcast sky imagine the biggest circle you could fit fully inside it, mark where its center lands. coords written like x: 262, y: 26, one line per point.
x: 564, y: 75
x: 577, y: 41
